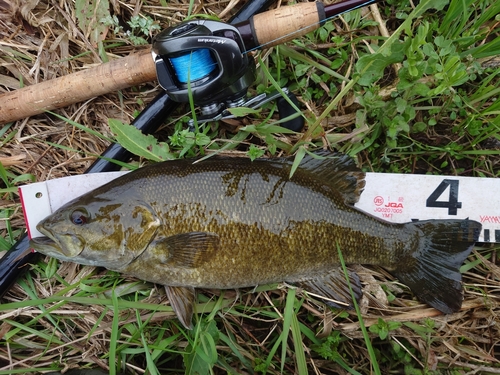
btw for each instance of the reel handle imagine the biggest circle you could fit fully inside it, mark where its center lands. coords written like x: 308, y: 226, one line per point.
x: 285, y: 110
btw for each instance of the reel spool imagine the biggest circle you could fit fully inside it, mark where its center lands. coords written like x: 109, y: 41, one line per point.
x: 208, y: 59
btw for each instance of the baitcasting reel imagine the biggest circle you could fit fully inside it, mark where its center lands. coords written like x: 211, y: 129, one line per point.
x: 208, y: 61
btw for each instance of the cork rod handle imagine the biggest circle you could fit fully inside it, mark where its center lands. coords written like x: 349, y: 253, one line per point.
x: 77, y: 87
x: 281, y: 25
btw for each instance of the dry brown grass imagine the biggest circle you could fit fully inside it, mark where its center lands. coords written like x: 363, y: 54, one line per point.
x: 39, y: 40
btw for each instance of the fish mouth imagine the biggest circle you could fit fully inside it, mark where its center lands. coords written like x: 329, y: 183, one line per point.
x: 63, y: 246
x: 45, y: 245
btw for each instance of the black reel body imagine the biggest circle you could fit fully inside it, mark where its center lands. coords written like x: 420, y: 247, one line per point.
x: 206, y: 58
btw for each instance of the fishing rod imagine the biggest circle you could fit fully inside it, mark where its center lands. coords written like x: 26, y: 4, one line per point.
x: 263, y: 30
x: 77, y: 87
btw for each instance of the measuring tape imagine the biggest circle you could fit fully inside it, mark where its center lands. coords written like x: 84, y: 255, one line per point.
x: 397, y: 198
x: 401, y: 198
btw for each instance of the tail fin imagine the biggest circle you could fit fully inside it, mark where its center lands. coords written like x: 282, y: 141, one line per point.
x: 432, y: 270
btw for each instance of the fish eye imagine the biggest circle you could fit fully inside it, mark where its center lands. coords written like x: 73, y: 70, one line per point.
x: 79, y: 217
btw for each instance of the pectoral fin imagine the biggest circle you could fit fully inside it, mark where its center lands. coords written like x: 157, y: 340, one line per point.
x: 182, y: 299
x: 186, y: 250
x: 333, y: 288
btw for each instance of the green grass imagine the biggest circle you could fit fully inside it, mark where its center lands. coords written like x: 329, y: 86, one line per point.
x: 423, y: 100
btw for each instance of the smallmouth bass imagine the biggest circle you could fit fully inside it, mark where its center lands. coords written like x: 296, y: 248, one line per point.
x: 230, y: 223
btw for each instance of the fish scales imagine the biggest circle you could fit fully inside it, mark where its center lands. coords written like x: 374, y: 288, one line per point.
x: 230, y: 223
x: 257, y: 213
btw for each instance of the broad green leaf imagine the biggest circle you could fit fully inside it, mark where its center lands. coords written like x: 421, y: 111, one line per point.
x: 51, y: 268
x: 371, y: 67
x: 133, y: 140
x: 202, y: 139
x: 243, y: 111
x: 195, y: 364
x: 202, y: 354
x: 301, y: 69
x: 90, y: 15
x: 23, y: 178
x: 4, y: 244
x: 255, y: 152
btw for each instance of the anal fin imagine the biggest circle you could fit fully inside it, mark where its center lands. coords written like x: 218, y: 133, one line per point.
x: 182, y: 299
x: 333, y: 288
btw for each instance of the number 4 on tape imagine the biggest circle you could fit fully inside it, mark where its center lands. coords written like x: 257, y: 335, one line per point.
x: 452, y: 204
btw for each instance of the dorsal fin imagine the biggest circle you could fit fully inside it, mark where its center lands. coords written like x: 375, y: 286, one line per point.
x: 339, y: 171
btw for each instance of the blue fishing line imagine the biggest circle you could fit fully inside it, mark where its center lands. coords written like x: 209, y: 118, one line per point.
x: 193, y: 65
